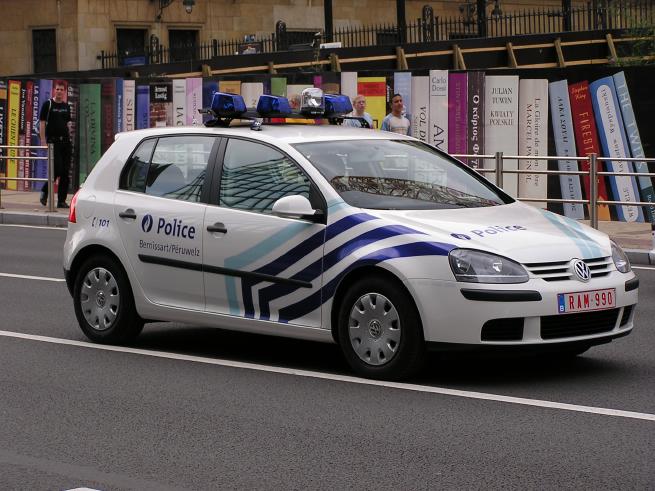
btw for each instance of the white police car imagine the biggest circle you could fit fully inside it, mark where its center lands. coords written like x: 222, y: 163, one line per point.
x: 372, y: 240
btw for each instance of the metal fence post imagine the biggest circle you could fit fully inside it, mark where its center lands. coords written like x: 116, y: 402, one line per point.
x: 51, y: 174
x: 499, y: 169
x: 593, y: 198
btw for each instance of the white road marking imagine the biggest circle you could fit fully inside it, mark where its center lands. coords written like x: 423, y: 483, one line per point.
x: 341, y: 378
x: 642, y: 267
x: 32, y: 226
x: 28, y: 277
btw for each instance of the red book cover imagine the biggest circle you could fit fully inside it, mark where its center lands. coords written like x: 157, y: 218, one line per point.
x: 107, y: 96
x: 29, y: 164
x: 586, y: 138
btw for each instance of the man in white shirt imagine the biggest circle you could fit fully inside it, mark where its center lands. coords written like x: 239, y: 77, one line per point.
x: 359, y: 105
x: 395, y: 121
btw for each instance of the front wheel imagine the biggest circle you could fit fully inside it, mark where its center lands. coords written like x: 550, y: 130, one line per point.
x: 380, y: 331
x: 104, y: 305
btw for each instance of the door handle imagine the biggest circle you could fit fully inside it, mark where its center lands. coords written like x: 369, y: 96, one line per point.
x: 217, y: 227
x: 129, y: 213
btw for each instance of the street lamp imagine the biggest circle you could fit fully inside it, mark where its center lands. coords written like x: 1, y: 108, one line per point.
x: 188, y: 6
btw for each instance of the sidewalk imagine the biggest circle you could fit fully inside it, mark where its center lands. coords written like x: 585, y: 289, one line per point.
x: 23, y: 208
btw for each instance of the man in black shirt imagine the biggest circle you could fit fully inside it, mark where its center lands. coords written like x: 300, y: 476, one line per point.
x: 54, y: 128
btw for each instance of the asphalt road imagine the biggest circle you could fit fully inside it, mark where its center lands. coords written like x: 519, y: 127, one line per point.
x: 176, y: 415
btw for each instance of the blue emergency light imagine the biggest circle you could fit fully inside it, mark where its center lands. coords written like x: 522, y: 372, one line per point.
x: 337, y: 105
x: 226, y: 105
x: 271, y: 106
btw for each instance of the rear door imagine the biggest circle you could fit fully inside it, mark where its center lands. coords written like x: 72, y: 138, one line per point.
x: 160, y: 210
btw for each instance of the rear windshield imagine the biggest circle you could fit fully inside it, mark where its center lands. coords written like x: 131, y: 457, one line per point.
x: 399, y: 175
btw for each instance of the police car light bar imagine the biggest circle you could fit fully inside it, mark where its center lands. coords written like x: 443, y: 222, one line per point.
x: 271, y: 106
x: 337, y: 105
x: 312, y: 102
x: 226, y: 105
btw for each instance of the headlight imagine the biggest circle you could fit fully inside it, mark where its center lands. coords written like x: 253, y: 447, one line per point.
x: 621, y: 261
x: 483, y: 267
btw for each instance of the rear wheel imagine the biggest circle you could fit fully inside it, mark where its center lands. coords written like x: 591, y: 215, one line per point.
x: 104, y: 305
x: 380, y: 331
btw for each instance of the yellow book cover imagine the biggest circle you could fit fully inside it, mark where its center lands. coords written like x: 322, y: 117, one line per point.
x: 230, y: 86
x: 13, y: 111
x: 375, y: 91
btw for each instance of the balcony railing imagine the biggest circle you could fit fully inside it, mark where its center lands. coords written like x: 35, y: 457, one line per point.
x: 627, y: 14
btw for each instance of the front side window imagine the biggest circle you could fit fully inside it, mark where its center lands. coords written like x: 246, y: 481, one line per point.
x: 255, y: 176
x: 171, y: 167
x: 398, y: 175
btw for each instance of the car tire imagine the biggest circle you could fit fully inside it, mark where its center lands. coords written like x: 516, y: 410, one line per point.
x: 380, y: 331
x: 104, y: 304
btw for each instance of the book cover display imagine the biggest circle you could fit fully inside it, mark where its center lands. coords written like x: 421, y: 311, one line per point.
x: 634, y: 141
x: 161, y: 104
x: 420, y: 107
x: 375, y: 91
x: 613, y: 142
x: 129, y: 102
x: 142, y: 106
x: 89, y: 128
x: 193, y: 100
x: 458, y: 113
x: 560, y: 110
x: 402, y: 84
x: 533, y: 138
x: 586, y: 140
x: 438, y: 134
x: 475, y: 135
x: 501, y: 105
x: 13, y: 110
x: 3, y: 130
x: 179, y: 102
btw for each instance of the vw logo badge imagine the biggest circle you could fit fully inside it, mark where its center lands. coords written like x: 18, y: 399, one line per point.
x: 146, y: 223
x: 461, y: 236
x: 581, y: 270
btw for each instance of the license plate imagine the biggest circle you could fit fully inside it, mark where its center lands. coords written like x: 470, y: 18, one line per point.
x: 586, y: 301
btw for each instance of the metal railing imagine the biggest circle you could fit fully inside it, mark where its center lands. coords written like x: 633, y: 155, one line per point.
x: 51, y: 167
x: 593, y: 174
x: 620, y: 14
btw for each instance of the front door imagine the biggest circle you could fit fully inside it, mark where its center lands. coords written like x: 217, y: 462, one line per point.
x: 258, y: 265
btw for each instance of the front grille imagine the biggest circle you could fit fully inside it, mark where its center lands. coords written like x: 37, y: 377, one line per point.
x: 626, y: 315
x: 581, y: 324
x: 561, y: 270
x: 503, y: 330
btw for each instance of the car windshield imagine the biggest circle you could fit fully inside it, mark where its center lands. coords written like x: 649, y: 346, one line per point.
x: 398, y: 175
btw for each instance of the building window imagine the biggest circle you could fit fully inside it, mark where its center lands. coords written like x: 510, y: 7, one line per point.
x: 131, y: 45
x: 183, y: 45
x: 44, y: 50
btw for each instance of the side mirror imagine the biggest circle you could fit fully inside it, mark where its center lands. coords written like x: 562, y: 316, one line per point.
x: 296, y: 206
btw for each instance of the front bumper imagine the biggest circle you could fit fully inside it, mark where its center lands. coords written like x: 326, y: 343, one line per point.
x: 520, y: 314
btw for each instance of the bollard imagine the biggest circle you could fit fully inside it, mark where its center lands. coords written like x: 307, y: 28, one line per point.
x: 499, y: 169
x: 51, y: 174
x: 651, y: 253
x: 593, y: 186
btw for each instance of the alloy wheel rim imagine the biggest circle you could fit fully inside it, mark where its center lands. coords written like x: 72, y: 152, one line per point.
x: 100, y: 299
x: 374, y: 329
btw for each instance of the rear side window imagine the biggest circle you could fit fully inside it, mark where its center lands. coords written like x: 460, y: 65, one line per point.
x: 171, y: 167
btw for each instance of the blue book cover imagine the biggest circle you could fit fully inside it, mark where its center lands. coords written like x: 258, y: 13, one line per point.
x: 41, y: 166
x: 402, y: 84
x: 34, y: 137
x: 634, y: 140
x: 208, y: 89
x: 564, y: 136
x: 142, y: 107
x: 118, y: 112
x: 611, y: 133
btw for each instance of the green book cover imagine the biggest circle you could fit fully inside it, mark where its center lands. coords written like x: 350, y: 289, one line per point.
x: 279, y: 86
x: 90, y: 131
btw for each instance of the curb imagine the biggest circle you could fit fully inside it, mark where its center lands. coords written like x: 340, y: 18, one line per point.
x: 638, y: 256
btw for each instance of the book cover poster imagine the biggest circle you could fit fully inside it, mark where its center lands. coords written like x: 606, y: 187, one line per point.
x: 563, y: 134
x: 501, y: 105
x: 129, y: 103
x: 475, y: 118
x: 586, y: 140
x: 438, y: 134
x: 634, y: 141
x: 375, y: 91
x: 179, y: 102
x: 3, y: 131
x: 402, y: 84
x: 90, y: 133
x: 209, y: 87
x: 230, y: 86
x: 161, y: 104
x: 193, y: 100
x: 613, y: 142
x: 118, y: 111
x: 74, y: 104
x: 279, y: 86
x: 458, y: 113
x: 35, y: 139
x: 420, y: 110
x: 142, y: 107
x: 349, y: 84
x: 13, y: 110
x: 107, y: 96
x: 533, y: 139
x: 251, y: 91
